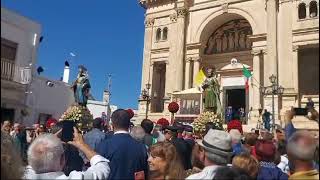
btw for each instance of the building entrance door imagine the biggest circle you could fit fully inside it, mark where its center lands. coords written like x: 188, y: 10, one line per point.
x: 236, y: 98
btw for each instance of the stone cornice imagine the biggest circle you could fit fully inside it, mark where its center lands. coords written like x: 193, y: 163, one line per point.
x: 194, y: 46
x: 305, y: 31
x: 159, y: 50
x: 258, y: 37
x: 256, y: 52
x: 152, y: 3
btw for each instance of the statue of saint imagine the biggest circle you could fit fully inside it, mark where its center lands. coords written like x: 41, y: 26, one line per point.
x: 211, y: 89
x: 236, y: 39
x: 210, y: 45
x: 81, y: 87
x: 231, y: 41
x: 242, y: 40
x: 224, y: 42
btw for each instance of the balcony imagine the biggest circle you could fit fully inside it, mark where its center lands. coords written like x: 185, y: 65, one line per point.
x: 11, y: 72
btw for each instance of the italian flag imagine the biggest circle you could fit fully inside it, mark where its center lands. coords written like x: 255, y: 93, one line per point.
x: 247, y: 74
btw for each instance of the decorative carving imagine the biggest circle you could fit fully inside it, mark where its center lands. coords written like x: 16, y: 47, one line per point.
x: 149, y: 22
x: 295, y: 48
x: 264, y: 51
x: 230, y: 37
x: 224, y: 7
x: 181, y: 12
x: 233, y: 61
x: 173, y: 17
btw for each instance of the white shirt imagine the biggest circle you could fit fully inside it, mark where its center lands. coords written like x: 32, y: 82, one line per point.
x: 284, y: 164
x: 121, y: 132
x: 99, y: 170
x: 207, y: 173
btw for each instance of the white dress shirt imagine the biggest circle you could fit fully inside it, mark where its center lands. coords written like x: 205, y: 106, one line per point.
x: 99, y: 170
x: 207, y: 173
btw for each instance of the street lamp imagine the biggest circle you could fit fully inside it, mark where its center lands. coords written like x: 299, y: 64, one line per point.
x: 146, y: 97
x: 273, y: 89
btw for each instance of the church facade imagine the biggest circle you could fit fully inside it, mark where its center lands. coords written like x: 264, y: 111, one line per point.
x: 269, y: 37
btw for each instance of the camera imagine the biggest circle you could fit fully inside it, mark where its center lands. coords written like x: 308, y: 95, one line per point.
x: 50, y: 84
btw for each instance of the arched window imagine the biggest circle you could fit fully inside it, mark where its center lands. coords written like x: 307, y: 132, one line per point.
x: 165, y: 33
x: 158, y: 35
x: 302, y: 10
x: 313, y: 9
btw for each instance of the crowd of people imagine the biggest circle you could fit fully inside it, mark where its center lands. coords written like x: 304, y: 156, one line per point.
x: 158, y: 151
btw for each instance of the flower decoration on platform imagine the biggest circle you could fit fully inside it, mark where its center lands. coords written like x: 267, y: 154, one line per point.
x: 199, y: 124
x: 173, y: 107
x: 79, y: 114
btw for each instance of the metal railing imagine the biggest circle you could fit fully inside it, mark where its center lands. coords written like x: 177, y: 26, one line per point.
x: 11, y: 72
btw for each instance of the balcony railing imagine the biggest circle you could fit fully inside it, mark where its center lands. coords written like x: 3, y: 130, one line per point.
x: 11, y: 72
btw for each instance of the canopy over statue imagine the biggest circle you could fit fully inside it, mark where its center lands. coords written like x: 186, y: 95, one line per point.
x: 211, y: 89
x: 81, y: 86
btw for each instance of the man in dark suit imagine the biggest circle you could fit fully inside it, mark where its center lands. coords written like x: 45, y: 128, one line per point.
x: 128, y: 158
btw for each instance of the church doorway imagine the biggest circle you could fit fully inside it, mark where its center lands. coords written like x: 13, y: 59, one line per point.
x: 236, y: 98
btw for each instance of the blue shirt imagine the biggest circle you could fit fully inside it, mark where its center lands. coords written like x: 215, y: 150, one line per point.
x: 127, y: 156
x: 269, y: 171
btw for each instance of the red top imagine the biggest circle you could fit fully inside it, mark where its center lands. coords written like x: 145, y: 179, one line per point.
x: 235, y: 124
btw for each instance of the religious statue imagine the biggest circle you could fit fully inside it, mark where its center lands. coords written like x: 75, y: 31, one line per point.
x: 211, y: 89
x: 231, y: 42
x: 210, y: 45
x: 224, y: 42
x: 236, y: 39
x: 248, y: 41
x: 81, y: 87
x: 242, y: 42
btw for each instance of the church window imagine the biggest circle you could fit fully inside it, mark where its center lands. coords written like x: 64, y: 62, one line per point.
x: 158, y: 34
x: 165, y: 33
x: 313, y: 8
x: 302, y: 11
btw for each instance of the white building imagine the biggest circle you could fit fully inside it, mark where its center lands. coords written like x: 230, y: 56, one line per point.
x: 273, y: 37
x: 98, y: 107
x: 49, y: 98
x: 19, y: 44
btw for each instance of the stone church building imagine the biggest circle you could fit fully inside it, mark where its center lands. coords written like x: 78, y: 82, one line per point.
x: 269, y: 37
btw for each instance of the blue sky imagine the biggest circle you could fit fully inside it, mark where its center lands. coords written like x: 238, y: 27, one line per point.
x: 106, y: 35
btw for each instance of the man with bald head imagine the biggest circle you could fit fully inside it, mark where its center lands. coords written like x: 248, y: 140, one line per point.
x: 301, y: 149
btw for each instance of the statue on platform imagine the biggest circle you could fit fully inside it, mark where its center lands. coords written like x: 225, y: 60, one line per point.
x: 81, y: 87
x: 211, y: 89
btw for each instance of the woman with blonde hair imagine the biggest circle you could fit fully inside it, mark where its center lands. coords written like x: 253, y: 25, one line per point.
x: 246, y: 163
x: 164, y: 162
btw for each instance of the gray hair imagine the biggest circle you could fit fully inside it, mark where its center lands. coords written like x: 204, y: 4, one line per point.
x: 235, y: 135
x: 138, y: 133
x: 301, y: 146
x: 44, y: 154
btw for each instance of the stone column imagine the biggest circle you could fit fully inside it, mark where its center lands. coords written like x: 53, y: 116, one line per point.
x: 196, y: 68
x: 168, y: 78
x: 187, y: 74
x: 295, y: 73
x: 180, y: 44
x: 256, y: 75
x: 271, y: 63
x: 147, y: 52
